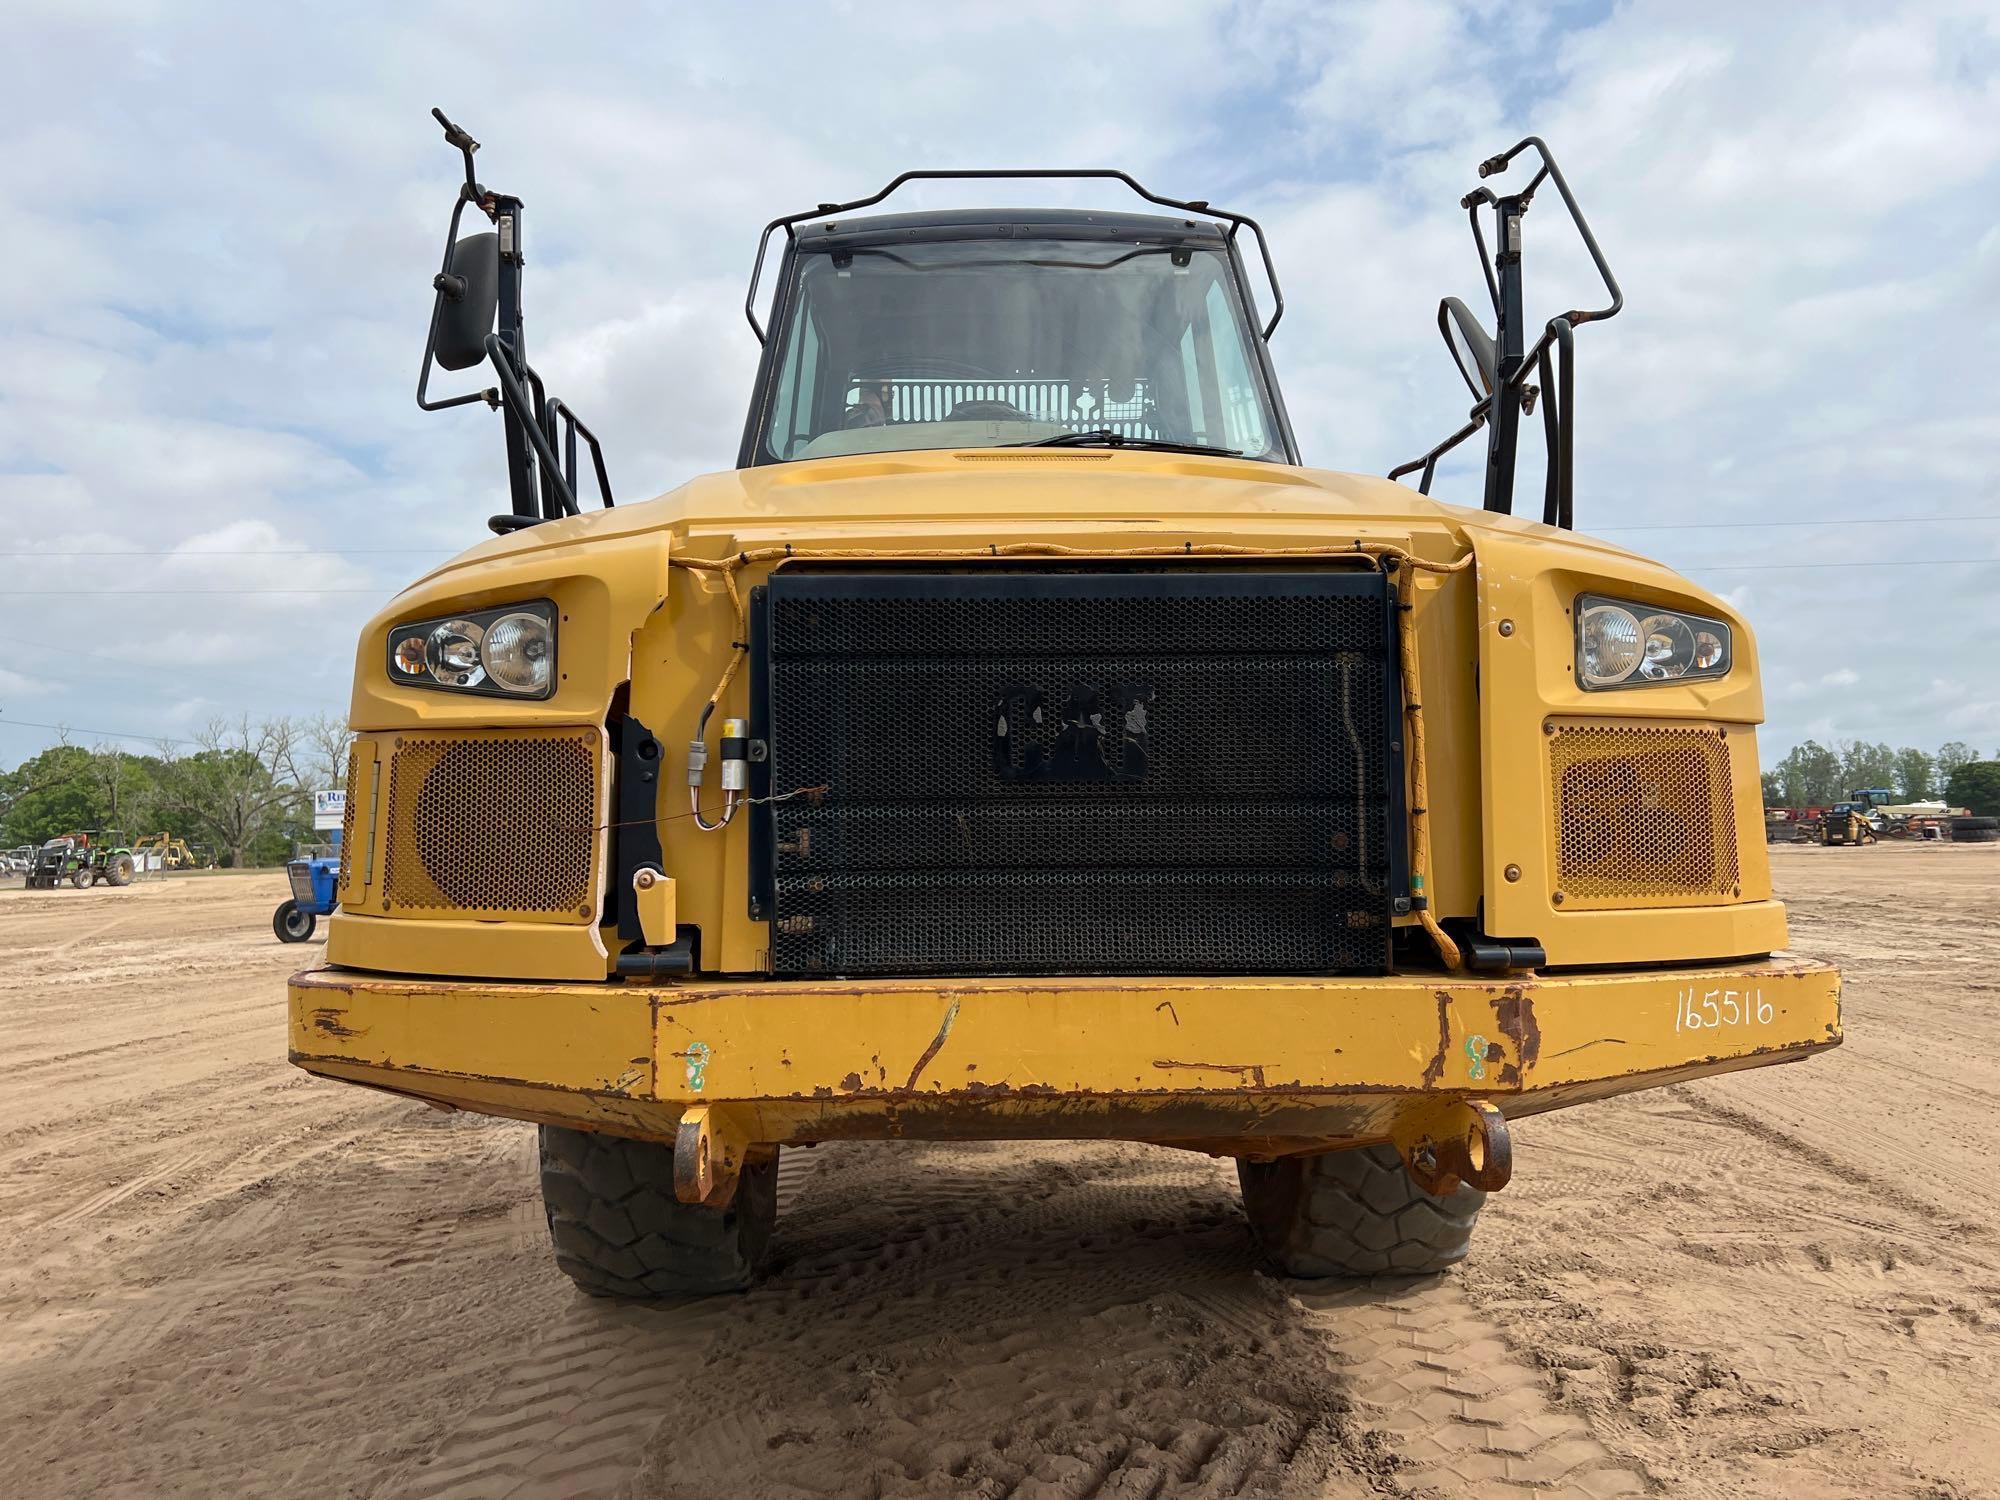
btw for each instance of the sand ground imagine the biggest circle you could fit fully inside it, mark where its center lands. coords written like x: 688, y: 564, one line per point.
x: 219, y: 1276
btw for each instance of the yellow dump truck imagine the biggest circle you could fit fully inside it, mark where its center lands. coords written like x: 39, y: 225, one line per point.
x: 1022, y: 743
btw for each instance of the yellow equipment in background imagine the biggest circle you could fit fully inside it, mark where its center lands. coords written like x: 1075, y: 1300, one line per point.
x: 171, y: 851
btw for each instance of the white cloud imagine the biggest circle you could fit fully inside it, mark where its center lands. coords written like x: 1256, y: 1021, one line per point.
x: 218, y: 275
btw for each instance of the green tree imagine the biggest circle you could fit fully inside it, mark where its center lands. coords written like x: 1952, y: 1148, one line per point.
x: 1866, y: 765
x: 1950, y: 756
x: 1914, y: 772
x: 1774, y: 788
x: 1975, y: 786
x: 1809, y: 775
x: 51, y: 793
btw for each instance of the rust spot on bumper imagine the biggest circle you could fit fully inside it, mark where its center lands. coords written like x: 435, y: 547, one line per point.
x: 937, y: 1042
x: 1254, y: 1072
x: 1434, y: 1069
x: 330, y: 1020
x: 1514, y: 1012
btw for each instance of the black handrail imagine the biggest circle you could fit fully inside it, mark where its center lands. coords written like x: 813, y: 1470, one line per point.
x: 1510, y: 381
x: 1200, y: 206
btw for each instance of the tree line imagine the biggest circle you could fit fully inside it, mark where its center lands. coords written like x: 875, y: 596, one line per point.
x: 1813, y: 775
x: 243, y: 787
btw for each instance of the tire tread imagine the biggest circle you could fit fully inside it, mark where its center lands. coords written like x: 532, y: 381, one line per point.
x: 619, y: 1231
x: 1355, y: 1212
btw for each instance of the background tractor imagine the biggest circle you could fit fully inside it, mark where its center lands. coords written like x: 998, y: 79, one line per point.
x: 315, y: 874
x: 83, y: 859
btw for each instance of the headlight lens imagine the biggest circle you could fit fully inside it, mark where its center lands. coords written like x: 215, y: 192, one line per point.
x: 516, y: 652
x: 452, y: 653
x: 508, y: 652
x: 408, y: 657
x: 1621, y: 644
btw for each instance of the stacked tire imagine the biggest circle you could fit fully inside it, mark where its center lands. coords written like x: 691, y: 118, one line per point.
x: 1975, y: 830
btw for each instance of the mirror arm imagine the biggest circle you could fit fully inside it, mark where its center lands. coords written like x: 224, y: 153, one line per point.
x: 519, y: 408
x: 1471, y: 204
x: 458, y: 136
x: 1554, y: 174
x: 1428, y: 462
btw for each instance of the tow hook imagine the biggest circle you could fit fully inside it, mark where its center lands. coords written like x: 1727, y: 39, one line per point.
x: 709, y: 1155
x: 1448, y: 1141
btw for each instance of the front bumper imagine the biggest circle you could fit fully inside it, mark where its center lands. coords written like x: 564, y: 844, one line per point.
x: 1249, y: 1066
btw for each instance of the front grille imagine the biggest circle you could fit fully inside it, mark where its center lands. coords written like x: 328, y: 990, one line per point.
x: 1036, y: 771
x: 1644, y: 815
x: 493, y: 823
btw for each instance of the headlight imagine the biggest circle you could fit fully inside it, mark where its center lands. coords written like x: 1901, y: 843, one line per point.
x: 504, y: 653
x: 1635, y: 645
x: 519, y: 651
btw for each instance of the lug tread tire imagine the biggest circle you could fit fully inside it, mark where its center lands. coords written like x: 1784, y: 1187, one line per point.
x: 119, y: 870
x: 1354, y: 1213
x: 619, y: 1231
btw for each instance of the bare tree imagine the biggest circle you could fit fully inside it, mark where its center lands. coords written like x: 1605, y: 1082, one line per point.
x: 327, y: 740
x: 244, y: 779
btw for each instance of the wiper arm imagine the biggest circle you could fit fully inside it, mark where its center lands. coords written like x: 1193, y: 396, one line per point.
x: 1104, y: 437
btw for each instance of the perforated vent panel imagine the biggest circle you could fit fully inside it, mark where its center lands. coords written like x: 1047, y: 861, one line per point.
x: 1644, y: 815
x: 493, y: 823
x: 1184, y: 771
x: 354, y: 794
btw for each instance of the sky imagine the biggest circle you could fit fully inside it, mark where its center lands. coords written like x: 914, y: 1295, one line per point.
x: 221, y: 222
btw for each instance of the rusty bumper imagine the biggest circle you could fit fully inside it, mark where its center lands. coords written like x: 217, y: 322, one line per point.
x: 1244, y: 1066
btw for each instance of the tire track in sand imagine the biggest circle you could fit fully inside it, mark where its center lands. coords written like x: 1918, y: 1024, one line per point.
x: 1069, y: 1321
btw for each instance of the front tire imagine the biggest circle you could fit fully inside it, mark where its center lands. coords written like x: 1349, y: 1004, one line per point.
x: 81, y: 878
x: 619, y: 1231
x: 1356, y: 1212
x: 293, y: 923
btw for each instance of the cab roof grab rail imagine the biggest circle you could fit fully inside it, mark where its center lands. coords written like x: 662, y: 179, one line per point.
x: 1200, y: 206
x: 1499, y: 409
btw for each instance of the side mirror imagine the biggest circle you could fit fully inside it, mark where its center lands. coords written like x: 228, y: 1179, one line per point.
x: 1471, y: 347
x: 468, y: 291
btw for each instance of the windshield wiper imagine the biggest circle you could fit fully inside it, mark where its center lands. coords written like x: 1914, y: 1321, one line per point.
x: 1104, y: 437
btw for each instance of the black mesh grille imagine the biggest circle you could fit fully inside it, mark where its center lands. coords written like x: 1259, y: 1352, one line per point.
x: 1185, y: 771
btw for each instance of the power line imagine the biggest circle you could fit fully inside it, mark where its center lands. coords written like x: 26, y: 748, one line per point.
x: 232, y: 552
x: 109, y: 734
x: 1837, y: 521
x: 177, y: 593
x: 1887, y: 562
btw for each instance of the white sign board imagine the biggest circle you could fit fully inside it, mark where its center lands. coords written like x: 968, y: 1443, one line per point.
x: 329, y: 808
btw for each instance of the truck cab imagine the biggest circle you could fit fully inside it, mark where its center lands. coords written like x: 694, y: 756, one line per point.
x: 1023, y: 741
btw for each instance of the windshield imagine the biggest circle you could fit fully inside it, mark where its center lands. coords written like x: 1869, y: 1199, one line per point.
x: 985, y: 342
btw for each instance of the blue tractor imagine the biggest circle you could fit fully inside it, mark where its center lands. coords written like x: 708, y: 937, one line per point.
x: 313, y: 877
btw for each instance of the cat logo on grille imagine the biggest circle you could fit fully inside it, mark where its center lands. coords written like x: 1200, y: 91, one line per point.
x: 1099, y: 733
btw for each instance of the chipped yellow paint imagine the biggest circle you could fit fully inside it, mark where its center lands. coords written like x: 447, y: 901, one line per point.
x: 1162, y: 1059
